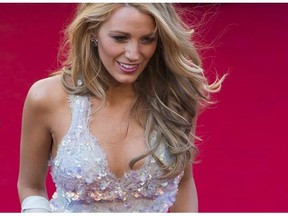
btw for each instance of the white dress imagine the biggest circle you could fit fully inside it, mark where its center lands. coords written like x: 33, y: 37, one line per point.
x: 84, y: 182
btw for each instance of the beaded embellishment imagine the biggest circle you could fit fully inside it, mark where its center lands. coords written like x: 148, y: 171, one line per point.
x: 84, y: 182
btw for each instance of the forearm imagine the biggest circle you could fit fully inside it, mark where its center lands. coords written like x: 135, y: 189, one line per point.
x: 31, y: 180
x: 33, y: 199
x: 25, y: 191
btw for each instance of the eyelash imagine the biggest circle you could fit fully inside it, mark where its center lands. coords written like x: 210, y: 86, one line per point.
x: 148, y: 40
x: 122, y: 39
x: 119, y: 38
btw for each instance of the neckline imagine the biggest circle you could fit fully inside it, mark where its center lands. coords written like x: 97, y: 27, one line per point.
x: 124, y: 174
x: 95, y: 141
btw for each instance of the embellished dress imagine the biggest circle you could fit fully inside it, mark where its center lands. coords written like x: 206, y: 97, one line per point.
x: 84, y: 182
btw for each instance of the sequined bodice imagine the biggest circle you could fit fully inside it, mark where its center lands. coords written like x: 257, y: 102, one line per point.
x: 84, y: 182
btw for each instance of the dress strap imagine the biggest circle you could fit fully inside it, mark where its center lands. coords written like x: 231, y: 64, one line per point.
x: 80, y: 107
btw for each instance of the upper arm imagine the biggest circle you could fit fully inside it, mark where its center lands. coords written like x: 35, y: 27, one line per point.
x: 36, y: 141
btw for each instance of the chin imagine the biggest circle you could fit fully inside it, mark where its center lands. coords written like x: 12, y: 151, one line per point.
x: 127, y: 80
x: 124, y: 81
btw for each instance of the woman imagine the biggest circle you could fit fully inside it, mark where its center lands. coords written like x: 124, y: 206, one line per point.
x: 117, y: 123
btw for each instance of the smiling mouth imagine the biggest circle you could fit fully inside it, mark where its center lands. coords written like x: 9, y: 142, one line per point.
x: 128, y: 66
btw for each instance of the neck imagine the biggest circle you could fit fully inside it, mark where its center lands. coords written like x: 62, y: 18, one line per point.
x: 120, y: 94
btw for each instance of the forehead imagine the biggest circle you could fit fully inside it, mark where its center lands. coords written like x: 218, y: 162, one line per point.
x: 129, y: 19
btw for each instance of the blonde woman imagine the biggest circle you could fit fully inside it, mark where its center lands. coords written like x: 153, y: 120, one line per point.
x: 117, y: 122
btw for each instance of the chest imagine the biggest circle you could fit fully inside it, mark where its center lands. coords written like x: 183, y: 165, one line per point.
x: 81, y: 168
x: 119, y: 137
x: 91, y: 163
x: 81, y: 171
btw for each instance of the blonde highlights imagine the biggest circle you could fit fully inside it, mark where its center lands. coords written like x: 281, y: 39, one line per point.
x: 169, y: 92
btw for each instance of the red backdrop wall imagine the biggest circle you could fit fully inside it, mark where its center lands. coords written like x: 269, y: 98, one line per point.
x: 243, y: 157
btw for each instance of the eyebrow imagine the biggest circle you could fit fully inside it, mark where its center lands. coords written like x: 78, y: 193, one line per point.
x: 128, y: 34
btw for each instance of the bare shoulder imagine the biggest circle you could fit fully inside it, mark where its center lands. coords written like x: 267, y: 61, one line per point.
x: 46, y: 93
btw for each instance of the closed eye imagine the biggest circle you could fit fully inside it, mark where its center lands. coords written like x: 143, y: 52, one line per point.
x: 119, y: 38
x: 148, y: 40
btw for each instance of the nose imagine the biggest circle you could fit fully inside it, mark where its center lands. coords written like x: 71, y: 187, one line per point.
x: 132, y: 52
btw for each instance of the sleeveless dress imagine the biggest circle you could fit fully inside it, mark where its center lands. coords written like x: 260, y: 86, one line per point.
x: 84, y: 182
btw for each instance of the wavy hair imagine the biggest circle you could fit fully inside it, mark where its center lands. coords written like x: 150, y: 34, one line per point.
x: 169, y: 92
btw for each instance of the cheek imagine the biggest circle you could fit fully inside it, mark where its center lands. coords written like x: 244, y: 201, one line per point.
x: 150, y: 52
x: 109, y: 51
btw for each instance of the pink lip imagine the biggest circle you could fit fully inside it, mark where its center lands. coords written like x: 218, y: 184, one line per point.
x: 131, y: 69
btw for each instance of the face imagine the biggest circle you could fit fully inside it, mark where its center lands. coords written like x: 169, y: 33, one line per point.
x: 126, y: 42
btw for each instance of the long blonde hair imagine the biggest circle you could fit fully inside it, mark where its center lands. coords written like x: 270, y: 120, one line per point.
x: 170, y: 90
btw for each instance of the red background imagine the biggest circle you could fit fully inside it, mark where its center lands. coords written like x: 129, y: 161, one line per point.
x: 244, y: 150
